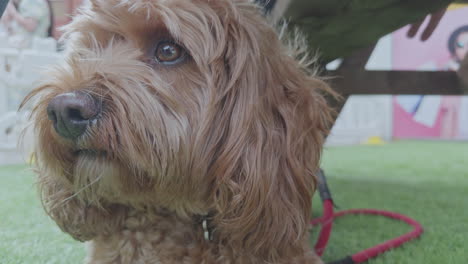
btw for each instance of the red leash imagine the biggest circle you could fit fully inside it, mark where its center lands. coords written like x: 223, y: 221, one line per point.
x: 327, y: 222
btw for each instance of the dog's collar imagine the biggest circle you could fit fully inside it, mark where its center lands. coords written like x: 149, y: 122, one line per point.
x: 206, y: 222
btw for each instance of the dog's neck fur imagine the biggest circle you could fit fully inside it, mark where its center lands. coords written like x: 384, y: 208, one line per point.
x: 163, y: 237
x: 154, y: 228
x: 167, y: 235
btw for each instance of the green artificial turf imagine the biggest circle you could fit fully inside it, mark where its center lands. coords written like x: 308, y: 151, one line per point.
x: 427, y: 181
x: 27, y: 235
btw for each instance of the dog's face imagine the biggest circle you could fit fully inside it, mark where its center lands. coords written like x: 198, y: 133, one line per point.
x: 191, y: 105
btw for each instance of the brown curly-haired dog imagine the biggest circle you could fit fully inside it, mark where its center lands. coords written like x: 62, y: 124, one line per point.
x: 180, y: 131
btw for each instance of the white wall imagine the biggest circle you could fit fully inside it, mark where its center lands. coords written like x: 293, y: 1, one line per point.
x: 363, y: 117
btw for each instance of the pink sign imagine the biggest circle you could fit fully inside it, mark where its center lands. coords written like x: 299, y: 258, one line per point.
x: 430, y: 117
x: 437, y: 117
x: 447, y: 44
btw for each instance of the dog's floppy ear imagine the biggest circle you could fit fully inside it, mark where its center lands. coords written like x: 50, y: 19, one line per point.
x: 269, y: 126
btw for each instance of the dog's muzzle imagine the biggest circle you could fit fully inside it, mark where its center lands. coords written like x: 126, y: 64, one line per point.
x: 72, y: 113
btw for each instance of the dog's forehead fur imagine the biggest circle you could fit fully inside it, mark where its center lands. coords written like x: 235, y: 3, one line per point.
x: 200, y: 25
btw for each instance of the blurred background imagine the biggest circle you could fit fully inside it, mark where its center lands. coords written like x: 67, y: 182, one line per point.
x: 411, y: 116
x: 29, y: 30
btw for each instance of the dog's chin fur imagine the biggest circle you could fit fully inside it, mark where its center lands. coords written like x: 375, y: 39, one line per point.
x: 234, y: 131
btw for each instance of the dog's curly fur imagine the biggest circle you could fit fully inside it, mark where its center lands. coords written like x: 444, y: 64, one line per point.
x: 234, y: 132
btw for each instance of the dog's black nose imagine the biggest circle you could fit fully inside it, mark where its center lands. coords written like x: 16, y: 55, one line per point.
x: 72, y: 113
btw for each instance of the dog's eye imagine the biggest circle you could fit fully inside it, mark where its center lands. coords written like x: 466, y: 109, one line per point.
x: 169, y: 53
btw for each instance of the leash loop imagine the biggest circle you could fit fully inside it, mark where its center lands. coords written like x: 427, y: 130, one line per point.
x: 327, y: 222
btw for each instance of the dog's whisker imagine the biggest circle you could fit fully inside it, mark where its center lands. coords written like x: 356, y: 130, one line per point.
x: 83, y: 189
